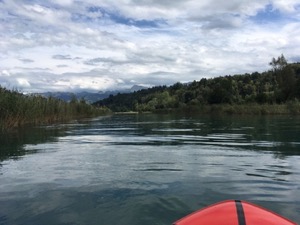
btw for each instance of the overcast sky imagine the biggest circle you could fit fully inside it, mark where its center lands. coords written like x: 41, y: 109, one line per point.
x: 76, y: 45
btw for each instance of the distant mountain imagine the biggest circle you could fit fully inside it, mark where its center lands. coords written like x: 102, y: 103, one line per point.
x: 89, y: 96
x: 137, y: 88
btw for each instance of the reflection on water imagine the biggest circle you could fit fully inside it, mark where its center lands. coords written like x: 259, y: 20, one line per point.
x: 147, y: 169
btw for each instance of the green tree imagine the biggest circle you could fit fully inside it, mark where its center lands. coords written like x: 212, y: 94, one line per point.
x: 279, y: 63
x: 287, y: 83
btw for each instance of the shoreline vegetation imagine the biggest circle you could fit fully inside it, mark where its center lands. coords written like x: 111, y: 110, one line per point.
x: 290, y: 108
x: 276, y: 91
x: 17, y: 110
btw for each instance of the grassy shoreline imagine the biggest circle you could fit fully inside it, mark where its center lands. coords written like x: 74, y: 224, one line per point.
x: 17, y: 110
x: 254, y: 109
x: 290, y: 108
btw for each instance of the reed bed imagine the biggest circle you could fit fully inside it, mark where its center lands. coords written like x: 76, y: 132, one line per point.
x: 17, y: 109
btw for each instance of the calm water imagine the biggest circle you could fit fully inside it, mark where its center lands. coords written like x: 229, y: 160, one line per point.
x: 147, y: 169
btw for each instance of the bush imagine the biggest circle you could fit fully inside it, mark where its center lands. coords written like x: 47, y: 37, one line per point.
x: 293, y: 106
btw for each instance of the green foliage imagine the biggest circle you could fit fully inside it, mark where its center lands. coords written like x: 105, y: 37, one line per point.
x: 17, y: 109
x: 294, y: 106
x: 232, y: 93
x: 279, y: 63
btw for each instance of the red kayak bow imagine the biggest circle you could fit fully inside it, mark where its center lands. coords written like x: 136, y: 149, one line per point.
x: 234, y: 212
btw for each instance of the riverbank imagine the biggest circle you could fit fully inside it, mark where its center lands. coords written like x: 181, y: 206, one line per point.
x: 17, y: 110
x: 290, y: 108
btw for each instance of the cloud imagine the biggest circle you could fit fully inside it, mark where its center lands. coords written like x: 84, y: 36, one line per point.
x: 4, y: 73
x: 96, y: 14
x: 63, y: 2
x: 23, y: 83
x: 26, y: 60
x: 62, y: 57
x: 225, y: 22
x: 287, y: 6
x: 10, y: 81
x: 38, y: 81
x: 73, y: 45
x: 77, y: 83
x: 101, y: 60
x: 62, y: 66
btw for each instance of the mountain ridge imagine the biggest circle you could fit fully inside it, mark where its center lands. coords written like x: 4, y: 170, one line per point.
x: 89, y: 97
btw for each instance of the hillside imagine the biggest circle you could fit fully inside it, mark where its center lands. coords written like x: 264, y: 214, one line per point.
x: 279, y: 86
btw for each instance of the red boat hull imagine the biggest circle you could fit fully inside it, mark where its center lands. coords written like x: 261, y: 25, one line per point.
x: 234, y: 212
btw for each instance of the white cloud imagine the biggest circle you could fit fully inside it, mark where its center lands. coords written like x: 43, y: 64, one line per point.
x: 63, y: 2
x: 286, y: 6
x: 85, y: 83
x: 5, y: 73
x: 96, y: 44
x: 22, y: 82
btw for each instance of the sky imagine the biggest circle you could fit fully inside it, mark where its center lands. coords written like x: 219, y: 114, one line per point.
x: 99, y: 45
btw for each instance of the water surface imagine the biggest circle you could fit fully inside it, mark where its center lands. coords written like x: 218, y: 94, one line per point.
x: 147, y: 169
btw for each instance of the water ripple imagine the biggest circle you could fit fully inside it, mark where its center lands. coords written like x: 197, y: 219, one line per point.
x: 144, y: 167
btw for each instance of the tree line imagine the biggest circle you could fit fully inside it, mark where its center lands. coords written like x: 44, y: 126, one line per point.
x: 280, y: 85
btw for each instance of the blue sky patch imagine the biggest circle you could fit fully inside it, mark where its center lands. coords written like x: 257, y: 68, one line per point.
x: 77, y: 17
x: 268, y: 15
x: 118, y: 18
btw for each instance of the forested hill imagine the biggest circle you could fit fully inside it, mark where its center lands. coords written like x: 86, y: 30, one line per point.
x: 277, y: 86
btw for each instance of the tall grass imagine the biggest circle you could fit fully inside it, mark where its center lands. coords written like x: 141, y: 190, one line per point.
x: 17, y: 109
x: 293, y: 106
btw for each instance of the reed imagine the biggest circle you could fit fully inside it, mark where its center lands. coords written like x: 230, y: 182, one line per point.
x: 17, y: 109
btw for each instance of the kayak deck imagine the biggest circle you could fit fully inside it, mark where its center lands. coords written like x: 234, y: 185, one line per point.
x: 234, y: 212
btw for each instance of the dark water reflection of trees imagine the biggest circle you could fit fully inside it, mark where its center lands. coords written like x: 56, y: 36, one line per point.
x: 282, y: 131
x: 13, y: 142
